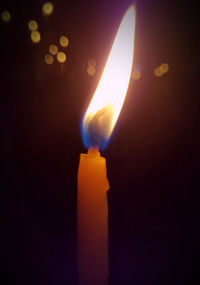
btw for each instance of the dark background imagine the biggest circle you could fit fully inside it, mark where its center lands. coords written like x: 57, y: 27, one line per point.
x: 152, y: 157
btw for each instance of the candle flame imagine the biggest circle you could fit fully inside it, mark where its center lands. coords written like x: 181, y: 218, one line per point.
x: 105, y: 106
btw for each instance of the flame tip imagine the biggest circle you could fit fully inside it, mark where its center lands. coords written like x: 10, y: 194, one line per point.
x: 132, y: 8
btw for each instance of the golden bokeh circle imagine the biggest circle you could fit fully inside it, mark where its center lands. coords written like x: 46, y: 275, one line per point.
x: 35, y: 37
x: 157, y: 72
x: 136, y: 75
x: 47, y: 8
x: 164, y: 67
x: 53, y: 49
x: 5, y: 16
x: 91, y: 70
x: 92, y: 62
x: 61, y: 56
x: 48, y: 58
x: 32, y: 25
x: 64, y: 41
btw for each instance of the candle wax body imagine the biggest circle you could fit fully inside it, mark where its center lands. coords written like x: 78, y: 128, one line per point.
x: 92, y: 220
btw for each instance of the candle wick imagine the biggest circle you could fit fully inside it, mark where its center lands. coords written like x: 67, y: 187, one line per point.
x: 94, y: 152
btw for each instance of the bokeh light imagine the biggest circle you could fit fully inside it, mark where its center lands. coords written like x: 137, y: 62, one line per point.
x: 32, y: 25
x: 53, y: 49
x: 5, y: 16
x: 91, y: 70
x: 61, y: 56
x: 47, y: 8
x: 35, y: 37
x: 48, y: 58
x: 64, y: 41
x: 92, y: 62
x: 157, y: 71
x: 164, y: 67
x: 136, y: 74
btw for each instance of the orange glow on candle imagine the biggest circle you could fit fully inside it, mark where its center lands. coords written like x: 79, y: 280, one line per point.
x: 92, y: 219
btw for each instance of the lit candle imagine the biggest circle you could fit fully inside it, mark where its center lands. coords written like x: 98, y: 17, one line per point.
x: 97, y: 126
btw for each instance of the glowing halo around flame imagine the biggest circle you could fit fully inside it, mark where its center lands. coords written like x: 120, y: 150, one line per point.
x: 105, y: 106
